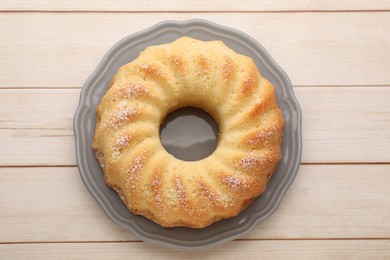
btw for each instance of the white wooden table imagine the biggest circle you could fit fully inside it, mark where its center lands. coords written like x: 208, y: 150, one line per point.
x: 337, y: 55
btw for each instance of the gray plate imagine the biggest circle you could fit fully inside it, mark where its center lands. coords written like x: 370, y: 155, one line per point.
x: 225, y: 230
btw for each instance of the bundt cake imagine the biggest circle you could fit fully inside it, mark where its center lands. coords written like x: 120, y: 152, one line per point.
x: 188, y: 72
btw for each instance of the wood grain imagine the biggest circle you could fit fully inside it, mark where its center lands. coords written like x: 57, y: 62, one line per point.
x: 193, y: 6
x: 340, y: 123
x: 273, y: 249
x: 336, y: 54
x: 62, y: 49
x: 53, y: 205
x: 36, y: 125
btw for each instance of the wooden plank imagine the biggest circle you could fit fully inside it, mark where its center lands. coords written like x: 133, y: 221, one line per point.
x: 38, y: 109
x: 36, y: 125
x: 324, y: 202
x: 340, y: 123
x: 193, y: 6
x: 274, y: 249
x: 333, y: 201
x: 62, y: 49
x: 51, y: 204
x: 37, y: 147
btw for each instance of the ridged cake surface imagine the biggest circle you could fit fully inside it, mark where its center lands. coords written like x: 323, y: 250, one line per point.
x: 188, y: 72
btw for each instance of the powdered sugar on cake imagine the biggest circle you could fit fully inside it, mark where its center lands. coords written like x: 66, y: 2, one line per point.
x: 123, y: 114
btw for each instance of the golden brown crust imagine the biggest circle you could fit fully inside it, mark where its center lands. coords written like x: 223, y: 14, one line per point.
x: 188, y: 72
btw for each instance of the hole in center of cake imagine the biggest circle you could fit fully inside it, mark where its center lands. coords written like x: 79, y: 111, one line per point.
x: 189, y: 134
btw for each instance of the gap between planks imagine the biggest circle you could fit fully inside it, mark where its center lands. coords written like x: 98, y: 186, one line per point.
x: 294, y: 86
x: 195, y: 12
x: 239, y: 239
x: 303, y: 163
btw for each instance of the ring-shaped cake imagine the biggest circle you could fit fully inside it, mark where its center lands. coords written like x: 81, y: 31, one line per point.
x: 207, y: 75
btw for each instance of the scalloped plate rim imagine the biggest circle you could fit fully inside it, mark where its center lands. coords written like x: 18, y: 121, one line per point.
x: 83, y: 106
